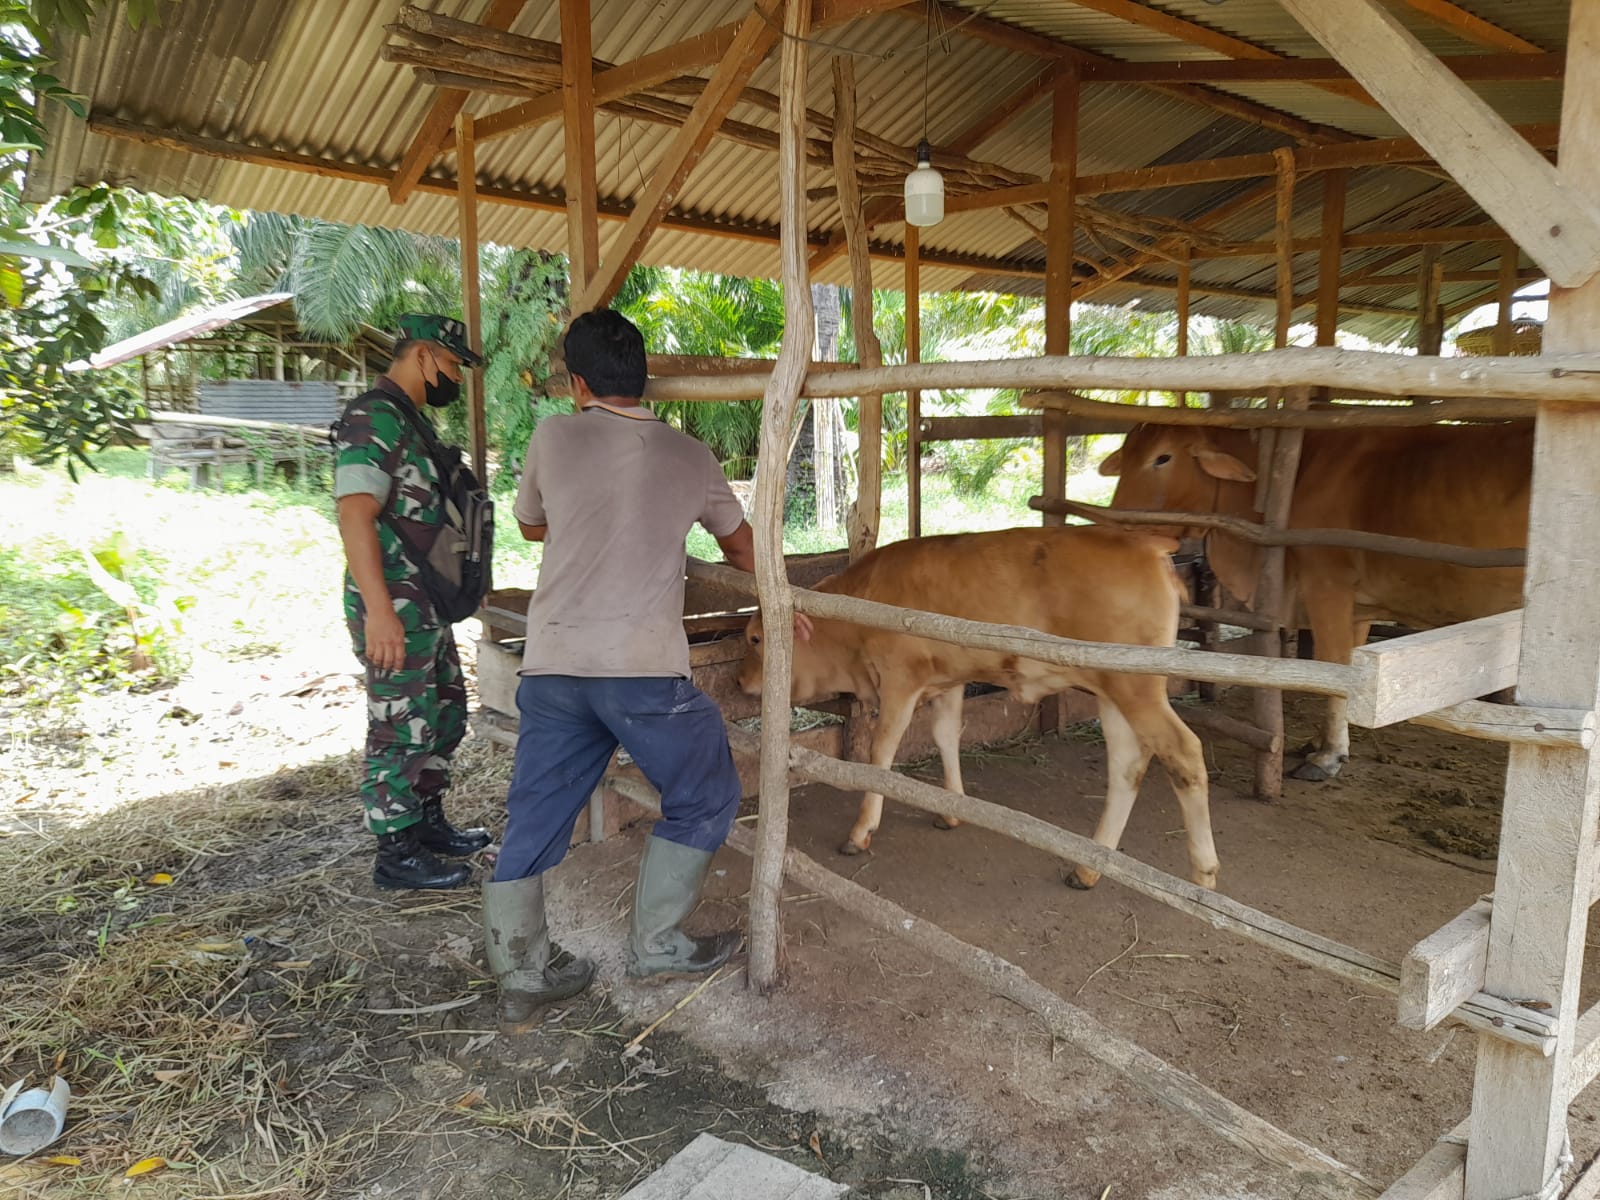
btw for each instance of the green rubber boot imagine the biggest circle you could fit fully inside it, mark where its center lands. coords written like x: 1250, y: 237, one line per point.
x: 670, y: 878
x: 529, y: 970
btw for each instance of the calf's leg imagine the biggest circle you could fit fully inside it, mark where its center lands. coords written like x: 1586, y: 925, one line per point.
x: 1337, y: 633
x: 894, y: 715
x: 1126, y: 760
x: 947, y: 736
x: 1138, y: 721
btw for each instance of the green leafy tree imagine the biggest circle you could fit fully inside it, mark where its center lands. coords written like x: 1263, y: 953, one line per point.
x: 59, y: 266
x: 690, y: 312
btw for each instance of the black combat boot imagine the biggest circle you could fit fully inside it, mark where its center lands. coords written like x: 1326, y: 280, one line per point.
x: 434, y: 832
x: 403, y: 862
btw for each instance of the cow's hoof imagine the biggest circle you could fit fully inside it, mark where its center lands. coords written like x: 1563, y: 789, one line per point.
x: 1077, y: 881
x: 850, y: 849
x: 1311, y: 771
x: 940, y: 821
x: 1206, y: 879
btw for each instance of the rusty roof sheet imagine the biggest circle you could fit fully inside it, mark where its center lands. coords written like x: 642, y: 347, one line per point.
x: 306, y: 78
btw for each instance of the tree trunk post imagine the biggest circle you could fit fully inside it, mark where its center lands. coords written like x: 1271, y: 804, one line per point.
x: 772, y: 582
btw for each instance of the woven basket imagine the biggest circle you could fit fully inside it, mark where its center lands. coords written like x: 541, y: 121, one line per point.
x: 1527, y: 335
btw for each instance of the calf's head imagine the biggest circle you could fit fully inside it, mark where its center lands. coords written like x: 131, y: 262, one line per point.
x: 1176, y: 468
x: 808, y: 676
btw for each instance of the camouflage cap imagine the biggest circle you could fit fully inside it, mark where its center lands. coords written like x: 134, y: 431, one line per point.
x: 447, y: 331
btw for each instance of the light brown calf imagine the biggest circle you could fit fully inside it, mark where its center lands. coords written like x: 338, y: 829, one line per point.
x: 1463, y: 485
x: 1091, y: 584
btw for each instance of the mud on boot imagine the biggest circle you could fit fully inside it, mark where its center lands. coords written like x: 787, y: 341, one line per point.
x: 670, y: 878
x: 530, y: 971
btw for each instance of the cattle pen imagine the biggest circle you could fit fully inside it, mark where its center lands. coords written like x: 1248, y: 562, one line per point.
x: 1425, y: 134
x: 1506, y: 967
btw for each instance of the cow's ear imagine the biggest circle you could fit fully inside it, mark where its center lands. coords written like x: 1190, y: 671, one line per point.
x: 1112, y: 463
x: 1224, y: 466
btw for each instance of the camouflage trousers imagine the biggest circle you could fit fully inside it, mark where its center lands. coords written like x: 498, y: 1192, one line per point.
x: 416, y: 717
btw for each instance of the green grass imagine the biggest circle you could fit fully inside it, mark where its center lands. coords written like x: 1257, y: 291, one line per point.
x: 233, y: 574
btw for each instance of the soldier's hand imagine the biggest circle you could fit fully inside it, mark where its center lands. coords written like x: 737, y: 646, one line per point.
x: 386, y: 640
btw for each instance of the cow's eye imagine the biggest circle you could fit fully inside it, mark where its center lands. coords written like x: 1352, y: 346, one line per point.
x: 1162, y: 460
x: 755, y: 639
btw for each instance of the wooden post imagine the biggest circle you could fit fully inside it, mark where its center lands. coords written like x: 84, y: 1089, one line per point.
x: 1543, y: 885
x: 1183, y: 300
x: 863, y: 520
x: 467, y: 208
x: 772, y: 582
x: 1333, y: 189
x: 577, y: 110
x: 914, y: 396
x: 1430, y: 317
x: 1059, y: 237
x: 1279, y: 461
x: 1284, y: 243
x: 1183, y: 310
x: 1504, y: 296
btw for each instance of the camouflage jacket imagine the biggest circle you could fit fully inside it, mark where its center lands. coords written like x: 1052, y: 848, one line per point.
x: 377, y: 452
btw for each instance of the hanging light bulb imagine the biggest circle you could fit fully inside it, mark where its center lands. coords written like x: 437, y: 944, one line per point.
x: 925, y: 186
x: 924, y: 190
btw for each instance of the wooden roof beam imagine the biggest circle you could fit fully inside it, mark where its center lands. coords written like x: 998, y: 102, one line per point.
x: 1136, y: 13
x: 441, y: 118
x: 1483, y: 68
x: 687, y: 56
x: 545, y: 202
x: 1472, y: 28
x: 756, y: 36
x: 1024, y: 41
x: 1541, y: 211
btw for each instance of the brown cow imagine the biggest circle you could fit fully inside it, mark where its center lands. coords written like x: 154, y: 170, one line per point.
x: 1093, y: 584
x: 1464, y: 485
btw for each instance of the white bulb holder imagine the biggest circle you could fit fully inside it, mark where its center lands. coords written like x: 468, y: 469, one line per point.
x: 924, y: 190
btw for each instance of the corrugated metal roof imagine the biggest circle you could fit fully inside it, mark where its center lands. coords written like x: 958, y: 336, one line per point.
x: 181, y: 329
x: 307, y: 78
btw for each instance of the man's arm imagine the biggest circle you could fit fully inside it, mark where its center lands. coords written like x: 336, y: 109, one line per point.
x: 358, y: 528
x: 533, y: 533
x: 739, y: 547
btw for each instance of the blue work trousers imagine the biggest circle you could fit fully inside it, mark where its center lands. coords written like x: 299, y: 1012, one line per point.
x: 570, y: 727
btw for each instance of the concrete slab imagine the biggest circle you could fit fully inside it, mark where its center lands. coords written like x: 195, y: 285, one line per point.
x: 709, y: 1168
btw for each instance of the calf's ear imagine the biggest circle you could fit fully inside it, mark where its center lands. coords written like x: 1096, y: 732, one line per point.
x: 1112, y: 463
x: 1224, y: 466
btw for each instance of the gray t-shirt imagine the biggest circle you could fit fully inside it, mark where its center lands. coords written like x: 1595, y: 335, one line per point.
x: 619, y: 492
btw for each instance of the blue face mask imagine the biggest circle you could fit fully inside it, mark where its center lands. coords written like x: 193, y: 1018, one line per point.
x: 441, y: 392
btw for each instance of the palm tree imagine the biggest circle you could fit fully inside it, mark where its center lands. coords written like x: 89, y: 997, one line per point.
x: 689, y: 312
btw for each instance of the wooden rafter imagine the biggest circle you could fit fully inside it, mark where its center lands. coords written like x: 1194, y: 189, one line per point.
x: 1202, y: 35
x: 1557, y: 226
x: 613, y: 82
x: 1472, y: 28
x: 577, y: 96
x: 750, y: 45
x: 1024, y: 41
x: 1477, y: 67
x: 436, y: 126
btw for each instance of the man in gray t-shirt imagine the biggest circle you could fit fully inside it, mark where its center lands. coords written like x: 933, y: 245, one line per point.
x: 612, y: 492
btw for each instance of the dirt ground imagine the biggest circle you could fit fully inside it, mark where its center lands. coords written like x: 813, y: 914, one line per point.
x: 271, y: 1026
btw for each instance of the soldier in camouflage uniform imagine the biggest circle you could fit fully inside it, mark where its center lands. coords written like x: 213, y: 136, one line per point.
x: 416, y: 697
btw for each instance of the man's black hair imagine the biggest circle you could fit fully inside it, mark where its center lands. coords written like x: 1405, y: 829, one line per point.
x: 607, y: 350
x: 404, y: 346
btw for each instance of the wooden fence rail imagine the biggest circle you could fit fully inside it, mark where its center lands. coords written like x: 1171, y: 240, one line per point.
x: 1328, y: 679
x: 1343, y: 416
x: 1066, y: 1021
x: 1486, y: 1013
x: 1349, y: 539
x: 1550, y: 377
